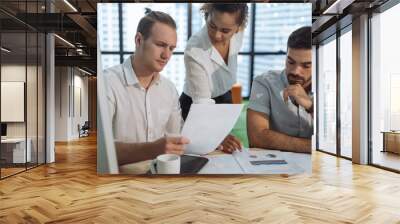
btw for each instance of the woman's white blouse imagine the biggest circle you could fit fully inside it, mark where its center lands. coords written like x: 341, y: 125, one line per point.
x: 207, y: 75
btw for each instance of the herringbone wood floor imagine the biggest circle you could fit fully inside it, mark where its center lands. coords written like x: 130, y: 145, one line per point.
x: 70, y: 191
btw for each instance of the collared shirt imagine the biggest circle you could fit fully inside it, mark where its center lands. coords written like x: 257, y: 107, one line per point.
x: 207, y: 74
x: 267, y: 97
x: 140, y: 115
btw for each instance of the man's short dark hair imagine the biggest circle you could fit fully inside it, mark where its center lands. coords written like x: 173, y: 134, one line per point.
x: 300, y: 38
x: 150, y: 18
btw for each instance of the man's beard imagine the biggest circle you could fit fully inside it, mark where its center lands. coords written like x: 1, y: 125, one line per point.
x: 295, y: 79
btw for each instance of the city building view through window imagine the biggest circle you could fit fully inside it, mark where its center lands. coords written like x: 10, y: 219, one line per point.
x: 262, y: 50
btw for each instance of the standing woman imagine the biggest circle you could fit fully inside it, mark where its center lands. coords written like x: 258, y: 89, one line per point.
x: 211, y: 59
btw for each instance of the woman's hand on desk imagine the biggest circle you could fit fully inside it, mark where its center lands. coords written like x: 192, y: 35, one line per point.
x: 172, y: 145
x: 230, y: 144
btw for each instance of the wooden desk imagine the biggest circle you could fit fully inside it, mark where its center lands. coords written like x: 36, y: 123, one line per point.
x: 297, y: 163
x: 391, y: 141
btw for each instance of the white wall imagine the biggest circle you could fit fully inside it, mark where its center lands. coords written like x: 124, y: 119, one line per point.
x: 70, y: 83
x: 61, y: 103
x: 17, y: 72
x: 79, y: 117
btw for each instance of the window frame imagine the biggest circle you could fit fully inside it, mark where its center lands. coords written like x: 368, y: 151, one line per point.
x: 251, y: 52
x: 335, y: 36
x: 381, y: 9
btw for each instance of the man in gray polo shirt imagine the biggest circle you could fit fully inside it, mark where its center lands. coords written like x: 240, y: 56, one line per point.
x: 280, y: 112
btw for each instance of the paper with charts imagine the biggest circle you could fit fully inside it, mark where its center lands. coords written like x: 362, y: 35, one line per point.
x: 257, y: 161
x: 208, y: 124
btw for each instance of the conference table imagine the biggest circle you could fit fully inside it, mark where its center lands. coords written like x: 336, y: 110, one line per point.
x: 223, y: 163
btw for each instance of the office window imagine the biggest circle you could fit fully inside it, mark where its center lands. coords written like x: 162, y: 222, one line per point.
x: 173, y: 71
x: 346, y: 94
x: 197, y: 18
x: 132, y: 13
x: 274, y: 23
x: 327, y: 96
x: 269, y: 40
x: 126, y: 56
x: 13, y: 79
x: 22, y: 65
x: 108, y: 21
x: 385, y: 88
x: 264, y: 63
x: 243, y: 73
x: 108, y: 60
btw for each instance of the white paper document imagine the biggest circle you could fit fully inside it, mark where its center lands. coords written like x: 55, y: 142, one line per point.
x: 207, y: 125
x: 221, y: 164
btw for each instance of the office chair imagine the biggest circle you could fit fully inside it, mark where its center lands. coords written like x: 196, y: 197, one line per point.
x: 84, y: 130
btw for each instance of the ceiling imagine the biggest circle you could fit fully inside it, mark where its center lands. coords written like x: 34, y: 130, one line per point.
x: 328, y: 15
x: 76, y: 22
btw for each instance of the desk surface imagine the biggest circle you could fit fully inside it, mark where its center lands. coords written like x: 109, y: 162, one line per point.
x: 390, y: 132
x: 13, y: 140
x: 296, y: 163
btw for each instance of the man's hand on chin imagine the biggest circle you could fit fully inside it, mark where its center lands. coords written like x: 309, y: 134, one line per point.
x: 298, y: 93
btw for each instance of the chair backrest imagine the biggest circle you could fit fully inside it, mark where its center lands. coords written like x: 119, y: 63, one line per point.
x: 86, y: 125
x: 107, y: 162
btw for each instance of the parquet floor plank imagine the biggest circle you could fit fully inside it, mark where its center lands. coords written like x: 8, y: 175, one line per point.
x: 70, y: 191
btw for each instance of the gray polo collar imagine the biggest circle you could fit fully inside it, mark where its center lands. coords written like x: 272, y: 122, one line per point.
x: 284, y: 78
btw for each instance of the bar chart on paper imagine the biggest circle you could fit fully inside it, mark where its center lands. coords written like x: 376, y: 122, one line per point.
x: 258, y: 161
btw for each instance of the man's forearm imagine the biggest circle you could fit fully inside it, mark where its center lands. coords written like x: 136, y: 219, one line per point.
x: 136, y: 152
x: 270, y: 139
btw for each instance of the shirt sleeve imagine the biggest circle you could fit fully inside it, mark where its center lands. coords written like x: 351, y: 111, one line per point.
x: 110, y: 98
x: 175, y: 121
x: 198, y: 85
x: 260, y: 97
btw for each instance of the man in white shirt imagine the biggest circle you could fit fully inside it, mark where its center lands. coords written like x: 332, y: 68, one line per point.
x: 143, y: 104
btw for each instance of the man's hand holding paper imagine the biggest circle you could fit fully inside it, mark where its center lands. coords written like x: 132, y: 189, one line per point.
x: 207, y: 125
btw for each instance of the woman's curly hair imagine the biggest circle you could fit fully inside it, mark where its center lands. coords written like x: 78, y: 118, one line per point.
x: 241, y: 8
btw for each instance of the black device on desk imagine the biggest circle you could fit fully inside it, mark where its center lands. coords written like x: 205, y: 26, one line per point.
x: 192, y: 164
x: 189, y: 164
x: 3, y: 130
